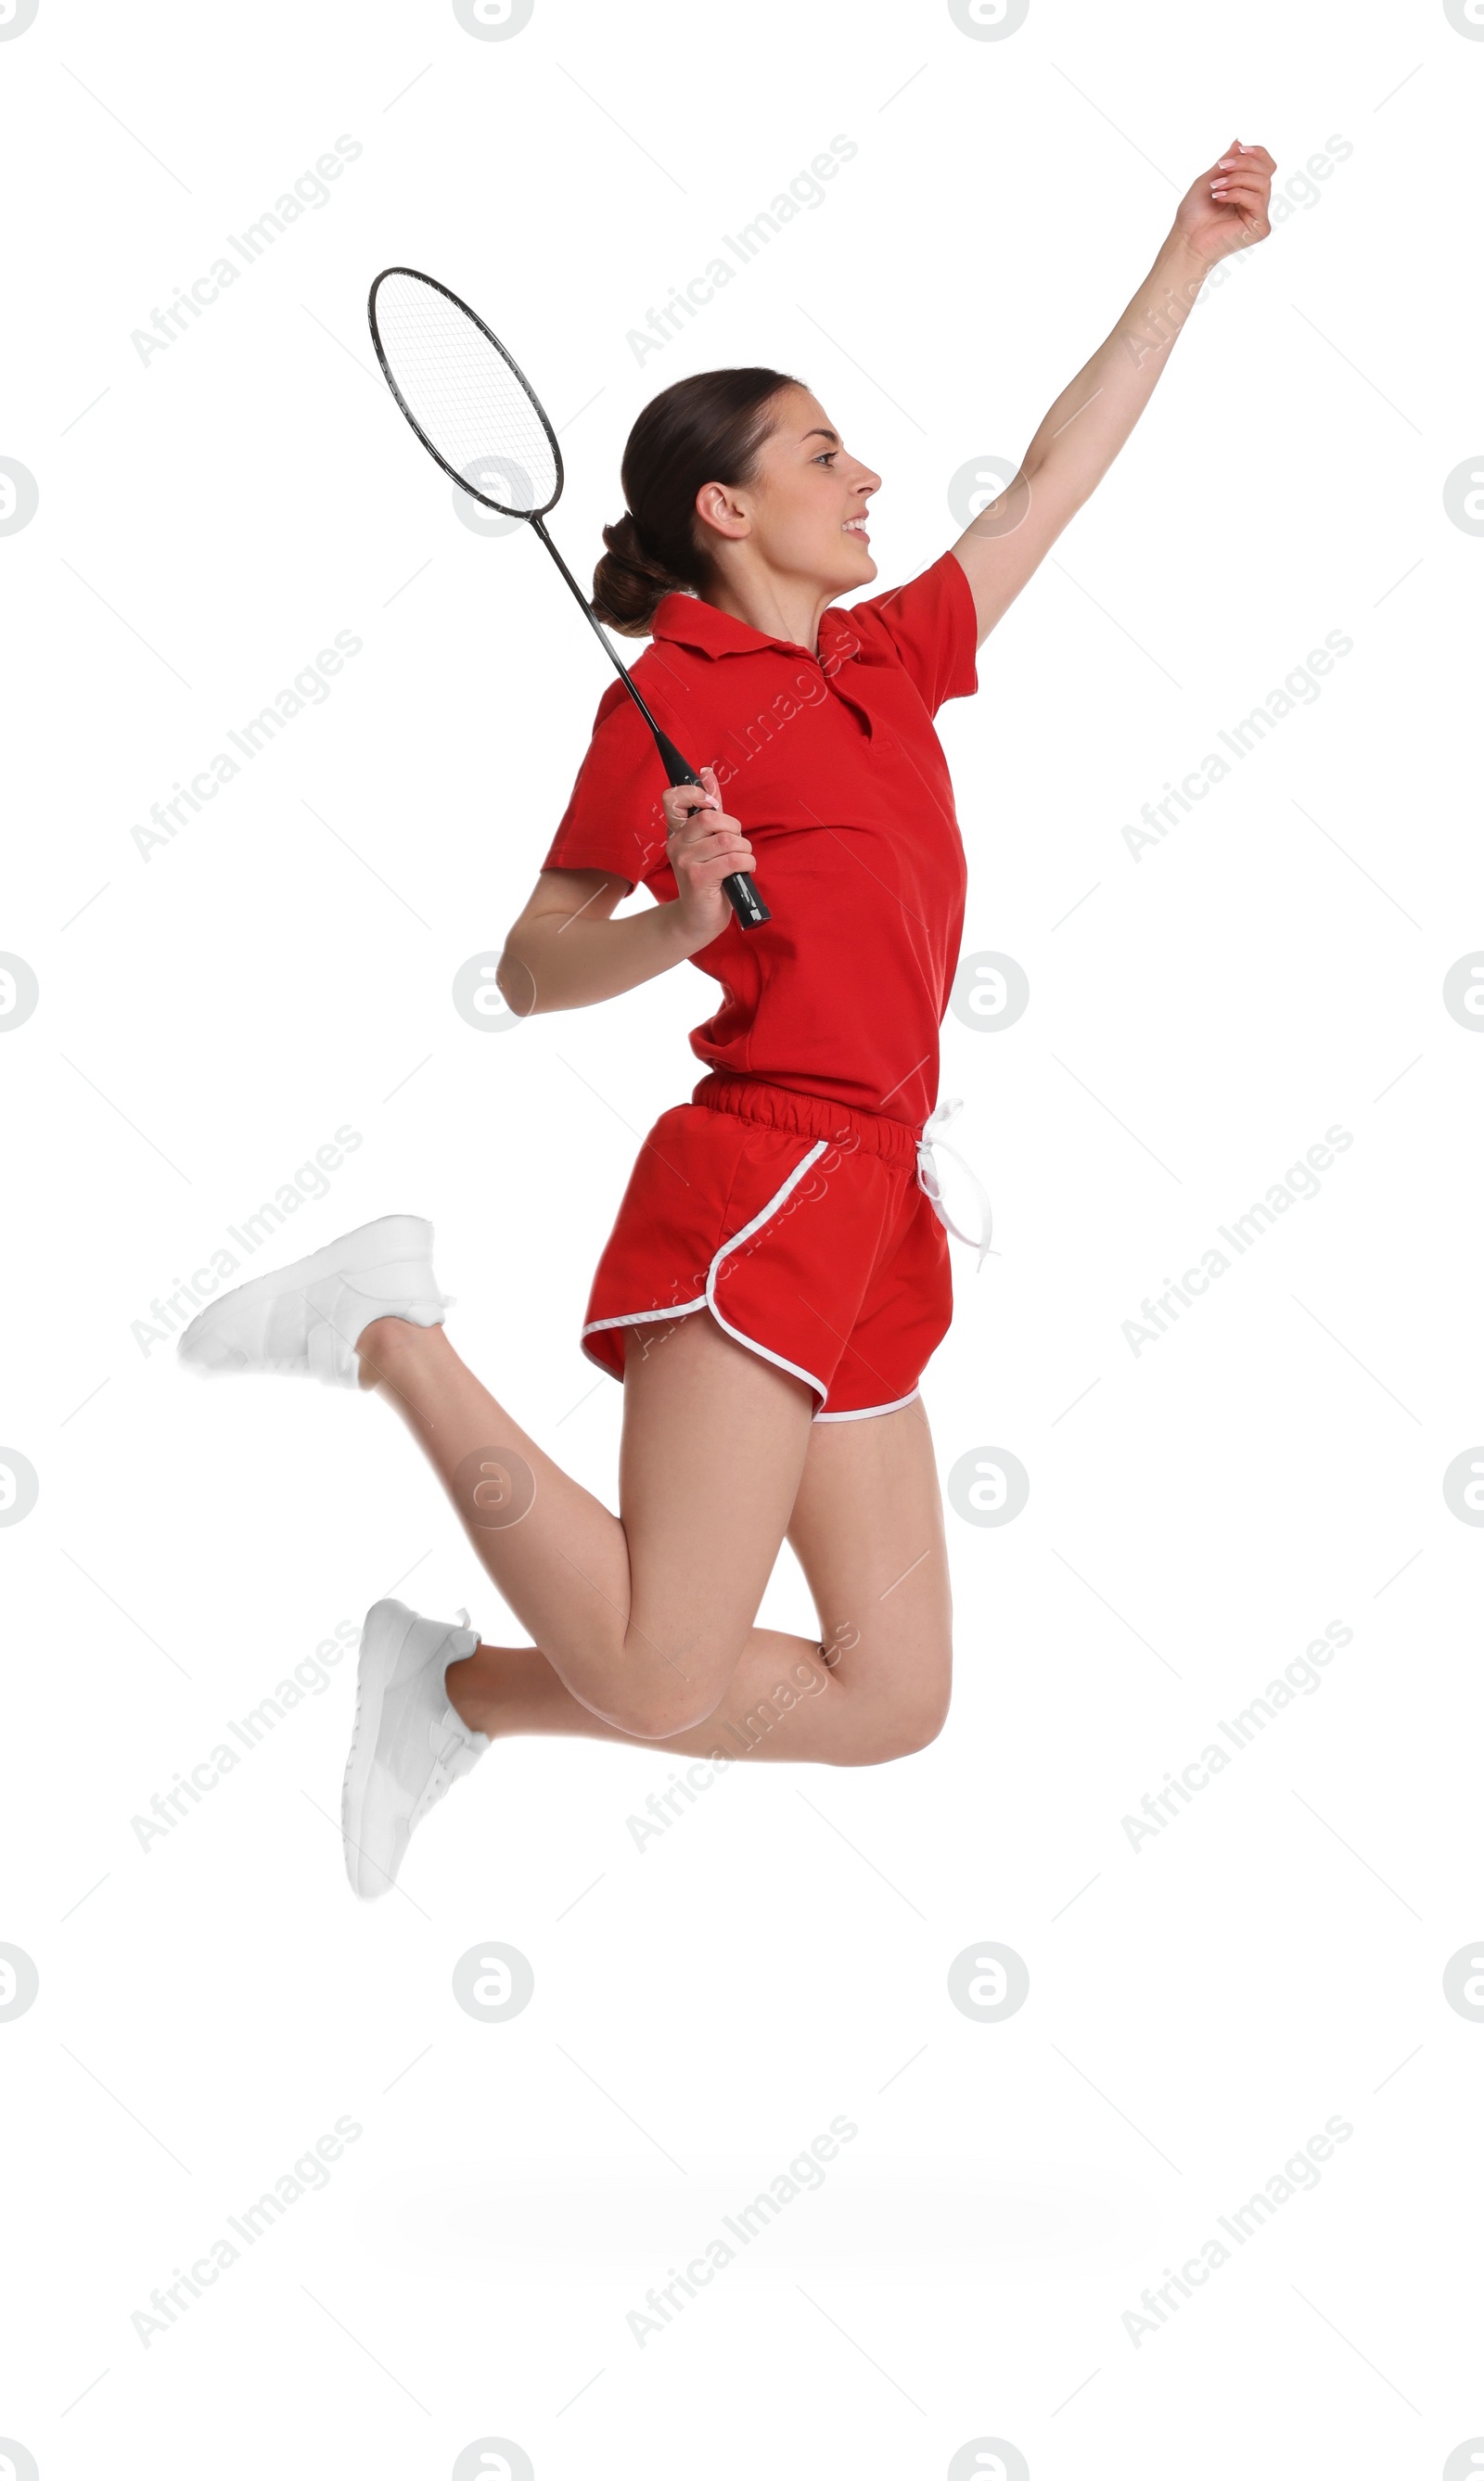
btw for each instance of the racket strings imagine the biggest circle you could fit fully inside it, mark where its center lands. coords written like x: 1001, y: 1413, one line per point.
x: 465, y: 398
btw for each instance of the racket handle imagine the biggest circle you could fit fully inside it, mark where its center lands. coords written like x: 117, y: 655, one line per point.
x: 744, y: 900
x: 738, y: 890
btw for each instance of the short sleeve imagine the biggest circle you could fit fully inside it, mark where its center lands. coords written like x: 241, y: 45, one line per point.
x: 615, y: 820
x: 931, y: 627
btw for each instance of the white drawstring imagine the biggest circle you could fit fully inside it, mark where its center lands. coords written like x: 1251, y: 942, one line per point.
x: 929, y: 1147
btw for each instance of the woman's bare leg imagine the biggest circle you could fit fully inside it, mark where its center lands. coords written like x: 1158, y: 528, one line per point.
x: 512, y: 1692
x: 867, y: 1530
x: 642, y: 1617
x: 867, y: 1526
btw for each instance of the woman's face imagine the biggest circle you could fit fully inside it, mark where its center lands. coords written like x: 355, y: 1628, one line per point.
x: 804, y: 511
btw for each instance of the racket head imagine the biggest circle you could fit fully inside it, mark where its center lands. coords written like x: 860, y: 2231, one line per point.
x: 470, y: 404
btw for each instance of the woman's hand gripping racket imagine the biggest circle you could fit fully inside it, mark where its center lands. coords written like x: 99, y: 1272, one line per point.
x: 479, y: 417
x: 707, y: 852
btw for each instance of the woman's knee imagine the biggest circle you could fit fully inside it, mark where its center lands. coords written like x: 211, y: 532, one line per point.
x: 901, y: 1727
x: 913, y: 1732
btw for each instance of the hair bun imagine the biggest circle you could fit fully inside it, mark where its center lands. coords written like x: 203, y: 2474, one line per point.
x: 630, y: 583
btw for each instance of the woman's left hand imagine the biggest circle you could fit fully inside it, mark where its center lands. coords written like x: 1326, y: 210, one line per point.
x: 1226, y: 208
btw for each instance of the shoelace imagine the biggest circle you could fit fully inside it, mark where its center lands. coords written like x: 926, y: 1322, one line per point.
x: 929, y: 1147
x: 442, y: 1777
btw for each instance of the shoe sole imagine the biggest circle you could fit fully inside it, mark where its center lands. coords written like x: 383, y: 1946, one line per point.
x: 385, y: 1632
x: 389, y: 1241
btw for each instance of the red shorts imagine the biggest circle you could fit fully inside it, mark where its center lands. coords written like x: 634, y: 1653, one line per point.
x: 799, y: 1225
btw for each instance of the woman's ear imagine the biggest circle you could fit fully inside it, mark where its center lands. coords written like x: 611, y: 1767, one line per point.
x: 716, y: 507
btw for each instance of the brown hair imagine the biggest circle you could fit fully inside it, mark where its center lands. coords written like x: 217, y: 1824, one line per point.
x: 708, y: 429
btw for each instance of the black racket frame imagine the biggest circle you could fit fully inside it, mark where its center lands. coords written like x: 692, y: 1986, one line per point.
x: 738, y: 890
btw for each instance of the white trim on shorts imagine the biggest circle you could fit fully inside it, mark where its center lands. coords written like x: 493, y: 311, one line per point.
x: 707, y: 1299
x: 869, y: 1412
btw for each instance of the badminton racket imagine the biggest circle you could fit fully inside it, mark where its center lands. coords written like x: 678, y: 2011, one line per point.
x: 479, y: 418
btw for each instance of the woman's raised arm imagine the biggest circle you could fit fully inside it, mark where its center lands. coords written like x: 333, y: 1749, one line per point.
x: 1225, y: 209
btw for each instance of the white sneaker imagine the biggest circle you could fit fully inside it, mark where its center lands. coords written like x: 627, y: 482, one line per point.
x: 408, y: 1745
x: 308, y: 1317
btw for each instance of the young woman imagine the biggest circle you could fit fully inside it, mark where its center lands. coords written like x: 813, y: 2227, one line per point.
x: 777, y: 1276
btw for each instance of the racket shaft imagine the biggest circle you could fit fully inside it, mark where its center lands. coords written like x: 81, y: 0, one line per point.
x: 738, y: 890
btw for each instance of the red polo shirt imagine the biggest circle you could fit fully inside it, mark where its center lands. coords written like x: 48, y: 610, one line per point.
x: 831, y: 765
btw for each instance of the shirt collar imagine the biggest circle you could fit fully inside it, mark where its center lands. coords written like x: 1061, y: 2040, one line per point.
x: 687, y: 620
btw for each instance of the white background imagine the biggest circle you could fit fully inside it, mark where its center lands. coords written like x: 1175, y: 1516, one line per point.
x: 1198, y: 1511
